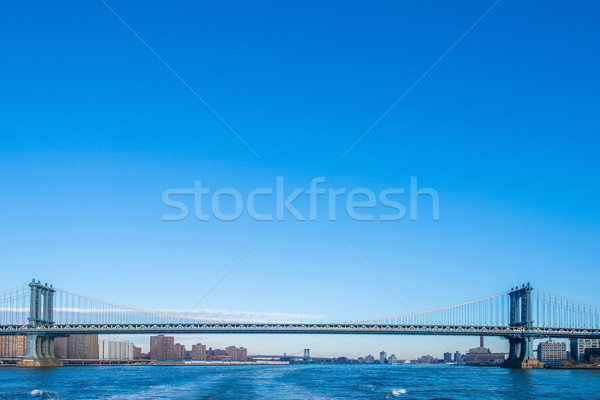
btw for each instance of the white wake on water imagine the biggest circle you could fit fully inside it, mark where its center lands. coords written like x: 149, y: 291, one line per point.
x: 398, y: 392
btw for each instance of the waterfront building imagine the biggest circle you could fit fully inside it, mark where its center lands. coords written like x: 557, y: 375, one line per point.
x: 162, y: 347
x: 457, y: 357
x: 369, y: 359
x: 592, y: 356
x: 115, y: 350
x: 13, y: 346
x: 237, y: 354
x: 216, y: 354
x: 199, y: 352
x: 382, y: 357
x: 60, y: 347
x: 447, y: 357
x: 179, y: 351
x: 578, y: 347
x: 426, y: 360
x: 242, y: 354
x: 483, y: 355
x: 137, y: 353
x: 83, y: 346
x: 392, y: 359
x: 77, y: 347
x: 552, y: 352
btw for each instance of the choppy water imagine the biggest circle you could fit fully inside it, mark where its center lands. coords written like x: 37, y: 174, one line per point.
x: 297, y: 382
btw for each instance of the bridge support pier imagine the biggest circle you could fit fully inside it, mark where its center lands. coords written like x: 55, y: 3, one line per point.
x: 40, y: 353
x: 520, y: 354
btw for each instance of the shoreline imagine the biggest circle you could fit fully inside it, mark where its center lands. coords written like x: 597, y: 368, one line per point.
x: 216, y: 363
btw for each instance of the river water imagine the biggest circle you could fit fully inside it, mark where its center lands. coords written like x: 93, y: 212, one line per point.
x: 297, y: 382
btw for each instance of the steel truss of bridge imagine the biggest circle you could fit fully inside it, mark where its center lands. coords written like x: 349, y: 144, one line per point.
x: 298, y: 328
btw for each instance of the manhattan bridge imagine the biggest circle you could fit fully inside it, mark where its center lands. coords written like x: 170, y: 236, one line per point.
x: 520, y: 315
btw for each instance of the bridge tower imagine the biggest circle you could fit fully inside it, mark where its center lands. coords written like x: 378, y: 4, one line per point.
x: 306, y: 357
x: 520, y: 353
x: 40, y: 350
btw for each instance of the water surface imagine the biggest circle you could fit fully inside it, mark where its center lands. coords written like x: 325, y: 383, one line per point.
x: 297, y: 382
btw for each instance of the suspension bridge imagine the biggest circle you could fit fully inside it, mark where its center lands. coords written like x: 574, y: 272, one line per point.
x: 520, y: 315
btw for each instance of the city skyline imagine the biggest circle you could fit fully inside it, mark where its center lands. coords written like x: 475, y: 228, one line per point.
x: 167, y: 349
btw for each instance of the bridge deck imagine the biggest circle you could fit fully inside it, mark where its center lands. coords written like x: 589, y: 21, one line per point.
x: 296, y: 328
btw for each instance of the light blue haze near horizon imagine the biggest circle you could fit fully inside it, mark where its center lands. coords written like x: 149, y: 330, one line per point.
x: 505, y: 128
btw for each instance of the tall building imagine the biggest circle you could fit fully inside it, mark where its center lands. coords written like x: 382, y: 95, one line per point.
x: 551, y: 352
x: 13, y: 346
x: 392, y: 360
x: 83, y: 346
x: 60, y: 347
x: 162, y: 347
x: 77, y: 347
x: 237, y: 354
x: 447, y: 357
x: 199, y: 352
x: 457, y: 357
x: 179, y: 351
x: 115, y: 350
x: 242, y: 354
x: 578, y: 347
x: 137, y: 353
x: 382, y: 357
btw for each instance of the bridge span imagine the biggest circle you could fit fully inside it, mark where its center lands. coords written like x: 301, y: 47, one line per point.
x: 520, y: 315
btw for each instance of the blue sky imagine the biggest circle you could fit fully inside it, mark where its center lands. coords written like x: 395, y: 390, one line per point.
x: 94, y: 128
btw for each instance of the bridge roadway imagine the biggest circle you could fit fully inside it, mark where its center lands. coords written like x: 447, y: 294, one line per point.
x: 297, y: 328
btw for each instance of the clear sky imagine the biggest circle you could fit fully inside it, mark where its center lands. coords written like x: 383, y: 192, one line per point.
x: 505, y: 128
